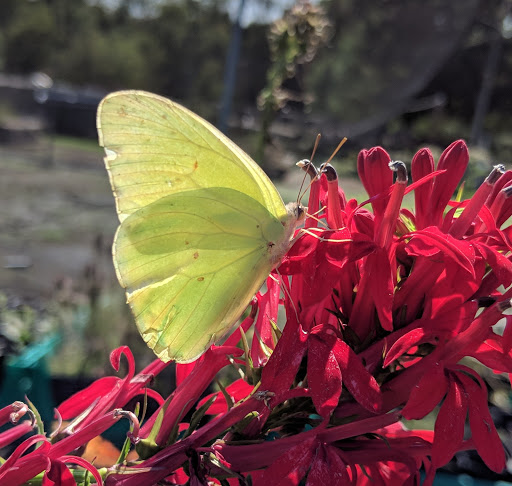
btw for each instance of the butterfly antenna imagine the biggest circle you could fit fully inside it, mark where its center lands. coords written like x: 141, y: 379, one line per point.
x: 317, y: 142
x: 334, y: 153
x: 309, y: 168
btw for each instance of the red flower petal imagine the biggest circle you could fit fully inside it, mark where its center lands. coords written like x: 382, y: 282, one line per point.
x: 454, y: 160
x: 431, y: 239
x: 25, y: 469
x: 484, y: 434
x: 463, y: 223
x: 507, y: 335
x: 373, y: 170
x: 500, y: 184
x: 335, y: 200
x: 237, y: 390
x: 289, y: 468
x: 10, y: 435
x: 324, y: 375
x: 422, y: 165
x: 84, y: 435
x: 359, y: 382
x: 85, y: 464
x: 263, y: 337
x: 183, y: 370
x: 501, y: 265
x: 327, y: 468
x: 490, y: 353
x: 414, y: 337
x: 426, y: 394
x: 281, y: 368
x: 77, y: 403
x: 115, y: 359
x: 449, y: 428
x: 16, y: 469
x: 58, y: 475
x: 314, y: 200
x: 191, y: 389
x: 381, y: 286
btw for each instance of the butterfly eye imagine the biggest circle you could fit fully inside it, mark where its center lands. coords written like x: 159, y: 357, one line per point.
x: 300, y: 214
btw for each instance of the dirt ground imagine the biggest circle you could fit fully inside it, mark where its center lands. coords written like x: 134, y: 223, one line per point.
x: 55, y: 207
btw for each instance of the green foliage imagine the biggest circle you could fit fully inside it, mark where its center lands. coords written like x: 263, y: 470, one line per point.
x: 22, y: 325
x: 29, y: 38
x: 440, y: 127
x: 381, y: 55
x: 175, y: 47
x: 107, y: 58
x: 188, y: 44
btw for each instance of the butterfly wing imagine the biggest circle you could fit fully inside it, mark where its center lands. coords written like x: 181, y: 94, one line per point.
x: 156, y: 147
x: 201, y: 223
x: 190, y: 263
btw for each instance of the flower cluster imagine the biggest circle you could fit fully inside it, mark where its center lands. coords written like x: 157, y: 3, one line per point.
x: 381, y: 306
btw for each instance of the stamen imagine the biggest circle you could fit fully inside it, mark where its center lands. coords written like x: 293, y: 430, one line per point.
x: 468, y: 215
x: 308, y: 167
x: 507, y: 191
x: 504, y: 305
x: 401, y: 171
x: 495, y: 174
x: 388, y: 224
x: 314, y: 189
x: 334, y: 216
x: 330, y: 173
x: 134, y: 434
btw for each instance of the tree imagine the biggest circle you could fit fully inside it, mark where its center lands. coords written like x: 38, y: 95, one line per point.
x: 29, y: 37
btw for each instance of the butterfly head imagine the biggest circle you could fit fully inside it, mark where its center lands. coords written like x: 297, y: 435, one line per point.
x: 296, y: 214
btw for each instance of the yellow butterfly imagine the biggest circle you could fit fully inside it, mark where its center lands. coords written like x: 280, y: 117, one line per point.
x: 201, y: 225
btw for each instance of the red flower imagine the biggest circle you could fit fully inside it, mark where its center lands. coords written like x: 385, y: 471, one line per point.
x: 380, y: 306
x: 238, y: 390
x: 188, y: 392
x: 110, y: 393
x: 453, y: 161
x: 19, y: 468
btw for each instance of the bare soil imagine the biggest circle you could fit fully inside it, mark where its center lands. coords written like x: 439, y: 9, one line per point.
x: 57, y: 215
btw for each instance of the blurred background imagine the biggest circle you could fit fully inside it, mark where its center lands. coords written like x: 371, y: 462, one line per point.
x: 272, y: 74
